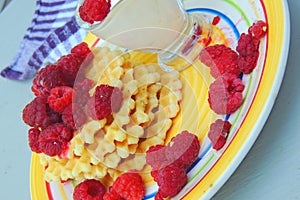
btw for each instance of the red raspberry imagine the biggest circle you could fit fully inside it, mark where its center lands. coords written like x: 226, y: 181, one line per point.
x: 54, y: 116
x: 38, y: 114
x: 112, y: 195
x: 248, y: 53
x: 220, y: 59
x: 246, y: 45
x: 89, y: 190
x: 171, y: 180
x: 70, y: 65
x: 155, y: 157
x: 218, y: 133
x: 85, y: 54
x: 82, y: 50
x: 33, y: 138
x: 60, y: 97
x: 225, y: 94
x: 73, y: 116
x: 158, y: 196
x: 129, y: 186
x: 258, y: 29
x: 68, y: 117
x: 50, y: 144
x: 94, y: 10
x: 248, y: 63
x: 154, y: 174
x: 46, y: 79
x: 53, y: 140
x: 106, y: 99
x: 81, y: 90
x: 183, y: 149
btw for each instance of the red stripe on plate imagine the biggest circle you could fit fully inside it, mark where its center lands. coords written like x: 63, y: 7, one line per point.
x: 48, y: 188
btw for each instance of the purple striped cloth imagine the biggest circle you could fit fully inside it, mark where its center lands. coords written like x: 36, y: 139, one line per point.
x: 52, y: 33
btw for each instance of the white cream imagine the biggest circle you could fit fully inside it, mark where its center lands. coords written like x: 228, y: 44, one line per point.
x: 142, y: 24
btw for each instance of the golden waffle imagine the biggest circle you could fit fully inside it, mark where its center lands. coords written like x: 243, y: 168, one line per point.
x: 103, y: 149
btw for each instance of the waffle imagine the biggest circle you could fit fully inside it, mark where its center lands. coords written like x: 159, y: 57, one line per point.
x: 102, y: 149
x: 77, y: 164
x: 151, y: 100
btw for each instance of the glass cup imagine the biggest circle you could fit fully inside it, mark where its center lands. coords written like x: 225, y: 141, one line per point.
x: 161, y: 26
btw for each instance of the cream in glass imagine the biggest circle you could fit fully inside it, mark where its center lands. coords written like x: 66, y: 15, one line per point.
x: 154, y: 25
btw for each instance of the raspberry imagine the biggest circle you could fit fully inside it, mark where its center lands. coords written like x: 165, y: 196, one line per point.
x: 85, y: 54
x: 53, y: 140
x: 171, y: 180
x: 94, y: 10
x: 248, y: 63
x: 81, y: 91
x: 154, y: 174
x: 220, y: 59
x: 246, y: 45
x: 158, y: 196
x: 89, y: 189
x: 218, y: 133
x: 73, y: 116
x: 60, y: 97
x: 33, y: 137
x: 70, y: 65
x: 225, y: 94
x: 68, y: 117
x: 248, y: 53
x: 106, y: 99
x: 46, y: 79
x: 129, y: 186
x: 50, y: 144
x: 258, y: 29
x: 112, y: 195
x: 155, y: 157
x: 54, y: 116
x: 183, y: 149
x: 38, y: 114
x: 82, y: 50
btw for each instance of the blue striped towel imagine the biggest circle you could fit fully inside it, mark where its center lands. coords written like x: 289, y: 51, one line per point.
x: 52, y: 33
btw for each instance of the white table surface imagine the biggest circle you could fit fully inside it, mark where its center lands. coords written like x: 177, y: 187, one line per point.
x: 271, y: 170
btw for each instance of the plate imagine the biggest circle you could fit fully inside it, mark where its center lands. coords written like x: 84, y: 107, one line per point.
x: 212, y: 167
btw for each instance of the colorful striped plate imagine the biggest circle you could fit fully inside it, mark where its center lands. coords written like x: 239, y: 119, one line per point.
x: 213, y: 168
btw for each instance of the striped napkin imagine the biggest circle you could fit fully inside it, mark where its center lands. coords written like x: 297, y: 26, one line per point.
x: 52, y: 33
